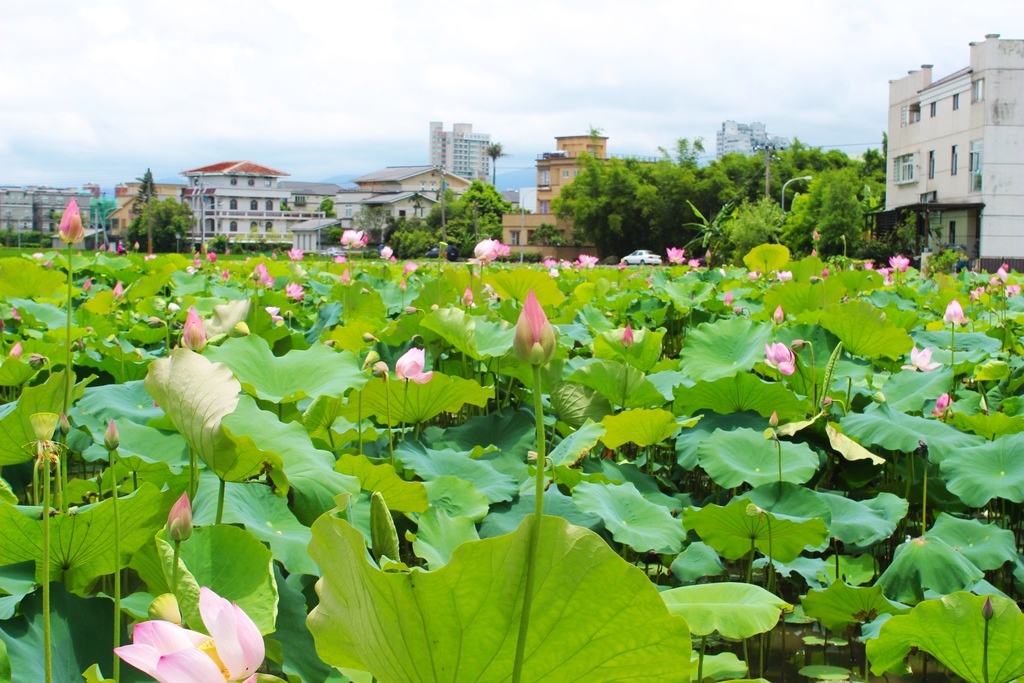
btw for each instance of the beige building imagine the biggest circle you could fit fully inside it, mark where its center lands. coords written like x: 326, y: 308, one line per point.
x: 127, y: 207
x: 956, y: 153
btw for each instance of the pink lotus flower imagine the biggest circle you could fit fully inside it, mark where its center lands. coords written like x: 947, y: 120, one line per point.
x: 211, y: 256
x: 1002, y: 274
x: 225, y: 275
x: 784, y: 275
x: 554, y: 272
x: 294, y: 291
x: 1012, y: 290
x: 296, y: 254
x: 627, y: 336
x: 171, y: 654
x: 942, y: 404
x: 179, y: 520
x: 340, y: 259
x: 16, y: 351
x: 197, y: 262
x: 694, y: 263
x: 779, y: 316
x: 71, y: 230
x: 353, y: 239
x: 386, y: 253
x: 976, y: 293
x: 487, y: 250
x: 410, y: 367
x: 261, y: 275
x: 409, y: 269
x: 193, y: 335
x: 534, y: 342
x: 727, y: 300
x: 136, y: 246
x: 149, y: 257
x: 780, y: 357
x: 273, y: 255
x: 814, y: 252
x: 273, y: 311
x: 345, y: 277
x: 550, y: 263
x: 586, y: 261
x: 87, y: 285
x: 921, y: 360
x: 753, y: 275
x: 816, y: 235
x: 622, y: 266
x: 402, y: 285
x: 118, y: 291
x: 191, y: 270
x: 954, y: 313
x: 869, y: 265
x: 675, y: 255
x: 824, y: 272
x: 899, y: 263
x: 467, y: 297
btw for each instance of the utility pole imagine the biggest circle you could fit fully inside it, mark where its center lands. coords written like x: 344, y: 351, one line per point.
x: 768, y: 171
x: 444, y: 234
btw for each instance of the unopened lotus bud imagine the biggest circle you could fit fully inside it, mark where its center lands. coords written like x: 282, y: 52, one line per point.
x: 383, y: 535
x: 534, y: 341
x: 797, y: 344
x: 193, y: 334
x: 37, y: 360
x: 16, y: 351
x: 371, y: 359
x: 111, y: 439
x: 987, y: 611
x: 154, y: 321
x: 173, y: 308
x: 65, y: 426
x: 467, y: 297
x: 369, y: 338
x: 179, y: 520
x: 165, y: 608
x: 434, y: 307
x: 410, y: 310
x: 240, y: 329
x: 627, y: 336
x: 380, y: 369
x: 531, y: 456
x: 774, y: 419
x: 737, y: 309
x: 43, y: 425
x: 826, y: 401
x: 778, y: 316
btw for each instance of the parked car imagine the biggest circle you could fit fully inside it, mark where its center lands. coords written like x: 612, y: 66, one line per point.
x: 642, y: 257
x: 452, y: 251
x: 331, y: 252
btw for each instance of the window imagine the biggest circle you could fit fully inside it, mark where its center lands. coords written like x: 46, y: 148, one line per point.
x: 903, y: 169
x: 952, y: 232
x: 348, y: 211
x: 234, y: 181
x: 401, y: 213
x: 542, y: 206
x: 300, y: 200
x: 933, y: 109
x: 931, y: 164
x: 956, y: 101
x: 575, y: 172
x: 195, y: 181
x: 254, y: 205
x: 270, y: 226
x: 46, y: 199
x: 954, y: 160
x: 233, y: 226
x: 514, y: 237
x: 910, y: 114
x: 254, y: 226
x: 545, y: 178
x: 565, y: 173
x: 266, y: 183
x: 975, y: 164
x: 978, y: 90
x: 233, y: 205
x: 270, y: 205
x: 251, y: 182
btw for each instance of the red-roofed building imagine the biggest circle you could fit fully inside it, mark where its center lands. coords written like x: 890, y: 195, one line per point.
x: 242, y: 201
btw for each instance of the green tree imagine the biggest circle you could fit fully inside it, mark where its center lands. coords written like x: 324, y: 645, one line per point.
x: 473, y: 216
x: 327, y: 206
x: 495, y: 151
x: 412, y: 237
x: 833, y: 208
x: 168, y: 218
x: 754, y: 223
x: 548, y: 234
x: 145, y: 197
x: 372, y: 219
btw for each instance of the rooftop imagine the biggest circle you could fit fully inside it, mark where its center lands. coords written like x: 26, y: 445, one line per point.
x: 236, y: 168
x: 953, y: 76
x: 299, y: 187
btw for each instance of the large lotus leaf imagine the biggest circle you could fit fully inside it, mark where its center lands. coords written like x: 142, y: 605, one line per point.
x: 847, y: 447
x: 318, y: 370
x: 82, y: 544
x: 642, y: 426
x: 689, y: 440
x: 888, y: 428
x: 985, y: 545
x: 320, y: 417
x: 401, y: 495
x: 864, y: 330
x: 470, y: 335
x: 797, y: 297
x: 295, y: 640
x: 196, y: 395
x: 790, y: 501
x: 623, y: 385
x: 17, y: 438
x: 732, y: 530
x: 510, y: 431
x: 696, y: 562
x: 767, y: 257
x: 128, y: 401
x: 261, y: 441
x: 840, y: 606
x: 855, y: 522
x: 991, y: 425
x: 225, y: 317
x: 428, y: 464
x: 264, y: 514
x: 744, y: 391
x: 574, y: 447
x: 141, y: 444
x: 994, y: 469
x: 516, y: 284
x: 745, y: 456
x: 907, y: 392
x: 20, y: 278
x: 724, y: 666
x: 735, y: 610
x: 631, y: 518
x: 575, y: 403
x: 438, y: 535
x: 952, y: 630
x: 642, y: 354
x: 460, y: 622
x: 413, y: 403
x: 723, y: 348
x: 41, y: 315
x: 15, y: 372
x: 505, y: 517
x: 457, y: 497
x: 927, y: 563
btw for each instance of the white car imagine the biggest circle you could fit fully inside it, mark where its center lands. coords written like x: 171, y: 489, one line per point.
x: 642, y: 257
x: 331, y: 252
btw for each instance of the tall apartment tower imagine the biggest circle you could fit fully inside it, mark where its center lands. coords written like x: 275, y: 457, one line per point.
x: 460, y: 150
x: 742, y: 138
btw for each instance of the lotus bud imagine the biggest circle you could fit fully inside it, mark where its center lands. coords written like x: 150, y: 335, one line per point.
x: 111, y: 439
x: 240, y: 329
x: 798, y: 344
x: 534, y: 342
x: 193, y: 335
x: 118, y: 291
x: 435, y: 307
x: 371, y: 359
x: 410, y: 310
x: 16, y: 351
x: 627, y: 336
x: 165, y: 608
x: 37, y: 360
x: 369, y: 338
x: 778, y: 317
x: 737, y: 309
x: 826, y: 401
x: 773, y: 421
x: 43, y: 425
x: 154, y: 321
x: 173, y: 308
x: 531, y: 456
x: 383, y: 535
x: 71, y: 230
x: 467, y: 297
x: 728, y: 299
x: 64, y: 425
x: 380, y: 369
x: 987, y: 611
x: 402, y: 285
x: 179, y: 520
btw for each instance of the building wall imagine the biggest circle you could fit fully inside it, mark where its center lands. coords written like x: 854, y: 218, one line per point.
x: 38, y: 208
x: 125, y: 194
x: 460, y: 150
x: 742, y: 138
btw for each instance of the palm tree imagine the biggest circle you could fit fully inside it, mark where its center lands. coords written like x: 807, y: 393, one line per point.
x: 495, y: 151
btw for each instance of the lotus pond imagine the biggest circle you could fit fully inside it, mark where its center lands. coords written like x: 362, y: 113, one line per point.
x: 793, y: 469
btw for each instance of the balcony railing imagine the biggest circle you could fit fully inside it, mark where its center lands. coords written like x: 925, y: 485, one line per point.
x: 237, y: 213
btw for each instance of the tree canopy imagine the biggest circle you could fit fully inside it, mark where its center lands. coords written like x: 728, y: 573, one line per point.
x: 169, y: 218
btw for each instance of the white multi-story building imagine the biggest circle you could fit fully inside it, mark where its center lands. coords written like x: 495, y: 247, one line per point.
x: 38, y: 209
x: 241, y: 200
x: 956, y: 153
x: 460, y: 150
x: 741, y: 138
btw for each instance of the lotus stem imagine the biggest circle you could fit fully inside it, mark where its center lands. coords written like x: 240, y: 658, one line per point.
x: 117, y: 562
x: 69, y: 385
x: 952, y: 356
x: 924, y: 498
x: 984, y: 654
x: 700, y: 658
x: 359, y: 417
x: 387, y: 396
x: 174, y: 570
x: 220, y: 500
x: 538, y: 516
x: 193, y: 475
x: 47, y: 654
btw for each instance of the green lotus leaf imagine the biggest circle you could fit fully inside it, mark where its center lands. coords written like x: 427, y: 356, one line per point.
x: 767, y: 257
x: 795, y: 296
x: 429, y: 463
x: 745, y: 456
x: 42, y: 315
x: 734, y: 610
x: 864, y: 331
x: 855, y: 571
x: 733, y: 529
x: 888, y: 428
x: 401, y: 495
x: 823, y: 672
x: 926, y: 563
x: 460, y: 622
x: 641, y: 426
x: 141, y: 444
x: 991, y: 425
x: 991, y: 371
x: 438, y: 535
x: 295, y: 640
x: 414, y: 403
x: 643, y: 354
x: 985, y: 545
x: 689, y: 440
x: 457, y: 497
x: 952, y: 630
x: 82, y: 544
x: 856, y: 522
x: 631, y: 518
x: 574, y: 447
x: 907, y: 392
x: 511, y: 431
x: 472, y: 336
x: 225, y: 317
x: 741, y: 392
x: 516, y: 284
x: 790, y: 501
x: 696, y: 562
x: 17, y: 438
x: 319, y: 370
x: 724, y: 666
x: 840, y: 606
x: 505, y: 517
x: 575, y: 403
x: 724, y: 348
x: 623, y: 385
x: 991, y: 470
x: 22, y: 279
x: 15, y: 372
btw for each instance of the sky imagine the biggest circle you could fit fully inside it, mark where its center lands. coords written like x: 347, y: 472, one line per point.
x: 101, y: 91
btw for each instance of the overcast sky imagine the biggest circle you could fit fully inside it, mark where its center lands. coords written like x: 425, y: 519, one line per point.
x: 98, y: 92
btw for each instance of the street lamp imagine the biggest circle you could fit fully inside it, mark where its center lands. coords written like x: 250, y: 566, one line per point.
x: 805, y: 177
x: 522, y: 219
x: 177, y: 243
